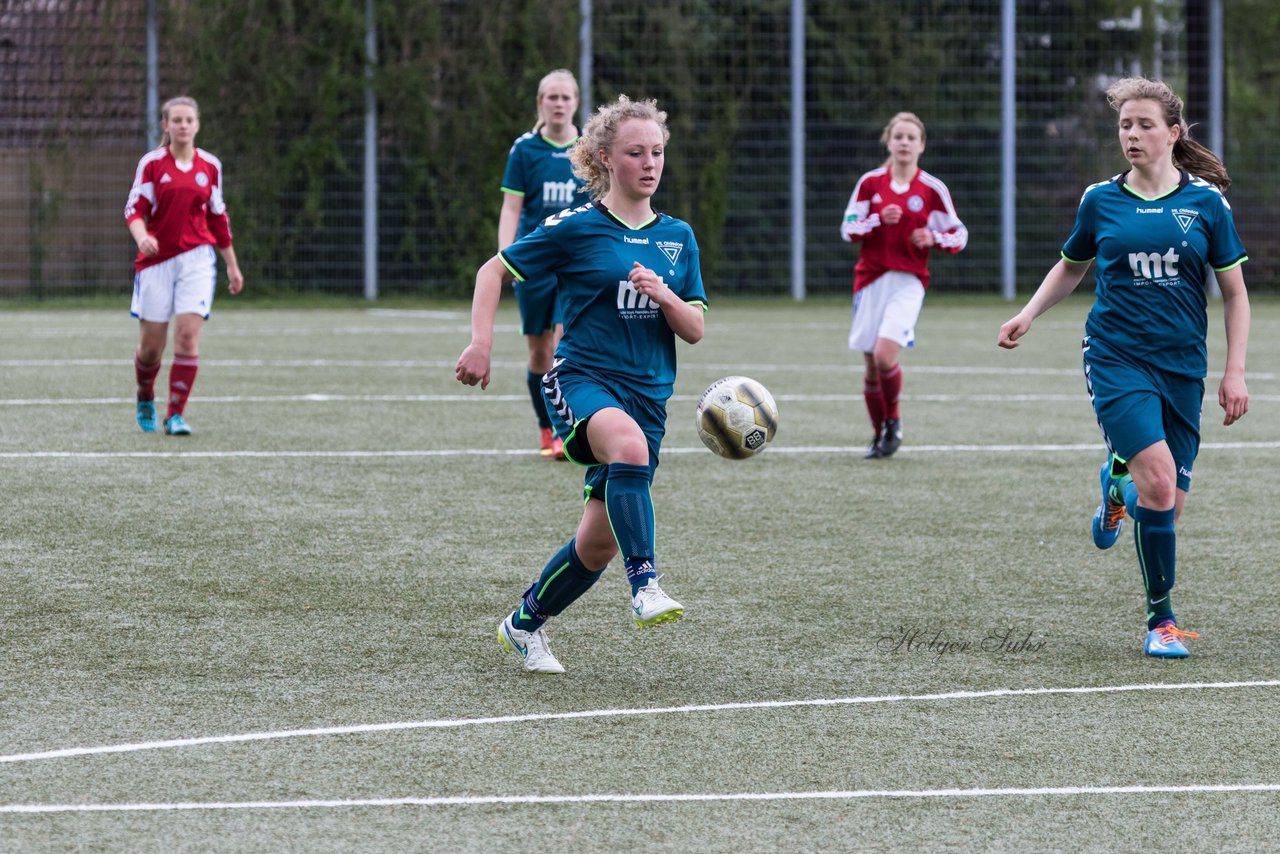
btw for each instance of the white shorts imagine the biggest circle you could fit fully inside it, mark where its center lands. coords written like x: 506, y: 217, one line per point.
x: 184, y: 284
x: 887, y: 308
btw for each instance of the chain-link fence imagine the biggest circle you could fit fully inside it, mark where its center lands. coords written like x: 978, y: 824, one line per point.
x: 455, y: 84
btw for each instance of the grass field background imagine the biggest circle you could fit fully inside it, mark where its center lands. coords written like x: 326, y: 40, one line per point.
x: 306, y: 591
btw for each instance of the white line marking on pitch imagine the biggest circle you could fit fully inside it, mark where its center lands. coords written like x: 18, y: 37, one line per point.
x: 478, y: 397
x: 483, y: 800
x: 464, y: 397
x: 1090, y: 447
x: 455, y: 723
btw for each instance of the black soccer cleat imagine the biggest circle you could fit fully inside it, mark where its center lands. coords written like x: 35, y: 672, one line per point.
x: 890, y: 438
x: 873, y: 451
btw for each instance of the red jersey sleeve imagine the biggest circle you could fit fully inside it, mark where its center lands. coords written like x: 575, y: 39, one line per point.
x: 949, y: 233
x: 859, y: 221
x: 142, y: 196
x: 218, y: 218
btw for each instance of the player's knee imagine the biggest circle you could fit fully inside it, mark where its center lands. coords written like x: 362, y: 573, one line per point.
x: 1158, y: 489
x: 633, y: 450
x: 596, y: 556
x: 150, y: 354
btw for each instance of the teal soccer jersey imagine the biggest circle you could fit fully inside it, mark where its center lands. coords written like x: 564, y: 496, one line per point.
x: 1152, y: 259
x: 609, y: 328
x: 539, y: 170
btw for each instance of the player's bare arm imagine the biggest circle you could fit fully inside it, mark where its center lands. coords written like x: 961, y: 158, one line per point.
x: 1058, y: 283
x: 1233, y: 394
x: 474, y: 364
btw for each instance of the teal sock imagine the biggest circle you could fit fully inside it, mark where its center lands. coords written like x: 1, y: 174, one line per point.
x: 1154, y: 535
x: 563, y: 580
x: 1125, y: 490
x: 630, y: 508
x: 539, y: 402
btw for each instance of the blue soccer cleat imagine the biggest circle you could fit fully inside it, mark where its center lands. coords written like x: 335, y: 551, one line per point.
x: 1165, y: 641
x: 1109, y: 517
x: 147, y: 416
x: 175, y: 426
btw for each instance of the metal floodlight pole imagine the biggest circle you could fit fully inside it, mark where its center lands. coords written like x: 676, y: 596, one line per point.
x: 797, y: 150
x: 1217, y: 103
x: 1008, y: 151
x: 370, y: 158
x: 153, y: 77
x: 584, y: 60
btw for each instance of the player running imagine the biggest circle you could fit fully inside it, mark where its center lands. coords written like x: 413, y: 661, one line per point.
x: 1153, y: 231
x: 177, y: 216
x: 898, y: 212
x: 539, y: 182
x: 630, y: 284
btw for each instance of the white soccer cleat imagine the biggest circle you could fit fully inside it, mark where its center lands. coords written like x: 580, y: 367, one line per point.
x: 531, y: 646
x: 651, y: 607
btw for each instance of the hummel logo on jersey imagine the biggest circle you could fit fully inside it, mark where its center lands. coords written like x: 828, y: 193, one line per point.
x: 1149, y: 210
x: 166, y: 179
x: 641, y: 240
x: 1152, y: 265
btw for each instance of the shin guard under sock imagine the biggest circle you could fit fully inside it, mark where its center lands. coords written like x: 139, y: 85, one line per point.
x: 146, y: 378
x: 891, y: 388
x: 182, y: 376
x: 563, y: 580
x: 630, y: 508
x: 1156, y: 541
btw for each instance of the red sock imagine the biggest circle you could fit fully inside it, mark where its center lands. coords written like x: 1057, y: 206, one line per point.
x: 182, y: 376
x: 875, y: 404
x: 146, y: 375
x: 891, y: 387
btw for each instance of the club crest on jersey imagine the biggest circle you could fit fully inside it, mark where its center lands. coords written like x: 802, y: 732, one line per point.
x: 1185, y: 217
x: 916, y: 204
x: 202, y: 179
x: 671, y: 249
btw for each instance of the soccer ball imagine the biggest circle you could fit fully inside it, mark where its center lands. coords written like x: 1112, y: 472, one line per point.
x: 736, y: 417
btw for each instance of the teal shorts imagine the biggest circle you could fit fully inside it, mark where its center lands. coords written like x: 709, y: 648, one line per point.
x: 539, y: 308
x: 1138, y: 405
x: 574, y: 394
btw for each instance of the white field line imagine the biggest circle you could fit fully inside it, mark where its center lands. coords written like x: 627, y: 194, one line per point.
x: 482, y: 397
x: 485, y: 397
x: 505, y: 800
x: 799, y: 450
x: 461, y: 329
x: 456, y: 723
x: 737, y: 367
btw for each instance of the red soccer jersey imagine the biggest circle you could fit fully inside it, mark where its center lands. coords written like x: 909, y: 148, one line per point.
x: 925, y: 203
x: 183, y: 208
